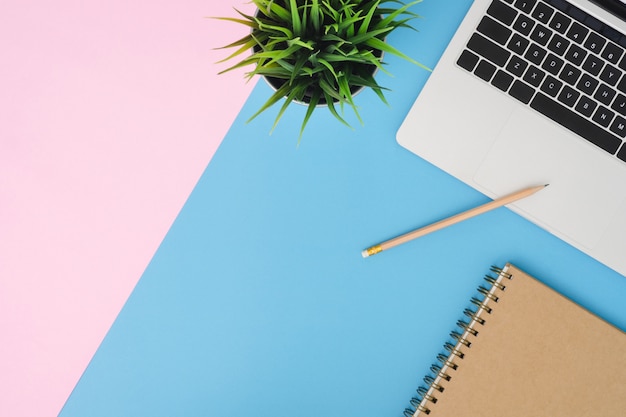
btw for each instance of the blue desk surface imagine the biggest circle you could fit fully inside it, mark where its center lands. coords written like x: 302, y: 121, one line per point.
x: 258, y: 301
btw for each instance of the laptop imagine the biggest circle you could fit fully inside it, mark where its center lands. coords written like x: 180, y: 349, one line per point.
x: 531, y: 92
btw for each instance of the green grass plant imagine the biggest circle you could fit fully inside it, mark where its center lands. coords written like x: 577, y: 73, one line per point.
x: 319, y: 51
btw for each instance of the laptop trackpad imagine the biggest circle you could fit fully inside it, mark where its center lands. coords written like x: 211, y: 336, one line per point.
x: 532, y: 150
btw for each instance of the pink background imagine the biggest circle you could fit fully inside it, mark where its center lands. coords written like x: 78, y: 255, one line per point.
x: 109, y: 112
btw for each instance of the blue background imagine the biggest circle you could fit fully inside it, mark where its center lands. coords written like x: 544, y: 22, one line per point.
x: 258, y: 301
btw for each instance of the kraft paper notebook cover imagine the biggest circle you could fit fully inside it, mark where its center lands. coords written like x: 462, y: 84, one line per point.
x: 527, y: 351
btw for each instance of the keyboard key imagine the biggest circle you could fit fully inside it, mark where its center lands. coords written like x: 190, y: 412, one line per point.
x: 467, y: 60
x: 577, y: 32
x: 485, y: 70
x: 621, y: 86
x: 541, y: 35
x: 587, y: 84
x: 560, y: 22
x: 534, y: 76
x: 518, y: 44
x: 494, y: 30
x: 570, y: 74
x: 603, y: 116
x: 610, y: 75
x: 622, y: 153
x: 595, y: 42
x: 516, y: 66
x: 523, y: 24
x: 575, y: 123
x: 619, y: 126
x: 586, y: 106
x: 612, y: 53
x: 488, y: 49
x: 575, y: 54
x: 551, y: 86
x: 593, y: 64
x: 604, y: 94
x: 558, y: 45
x: 622, y: 62
x: 535, y: 54
x: 522, y: 91
x: 619, y: 105
x: 543, y: 13
x: 502, y: 80
x: 569, y: 96
x: 525, y: 5
x: 553, y: 64
x: 502, y: 12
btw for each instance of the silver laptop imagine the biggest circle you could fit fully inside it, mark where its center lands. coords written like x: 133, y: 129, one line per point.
x: 531, y: 92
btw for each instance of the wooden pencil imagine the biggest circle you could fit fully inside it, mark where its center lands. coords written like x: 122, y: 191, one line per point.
x: 499, y: 202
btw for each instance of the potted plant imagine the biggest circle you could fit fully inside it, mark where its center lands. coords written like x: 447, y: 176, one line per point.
x: 319, y: 52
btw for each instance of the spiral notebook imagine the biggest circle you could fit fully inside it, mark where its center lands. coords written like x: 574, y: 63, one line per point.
x: 525, y: 350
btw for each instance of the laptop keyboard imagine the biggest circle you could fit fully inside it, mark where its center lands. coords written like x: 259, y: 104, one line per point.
x: 560, y: 61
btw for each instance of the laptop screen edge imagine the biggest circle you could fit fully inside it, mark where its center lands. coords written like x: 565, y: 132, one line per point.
x: 617, y: 7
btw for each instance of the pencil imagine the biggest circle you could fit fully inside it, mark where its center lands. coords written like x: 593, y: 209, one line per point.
x: 373, y: 250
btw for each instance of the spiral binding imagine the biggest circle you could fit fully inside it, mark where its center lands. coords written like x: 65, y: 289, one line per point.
x: 447, y: 363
